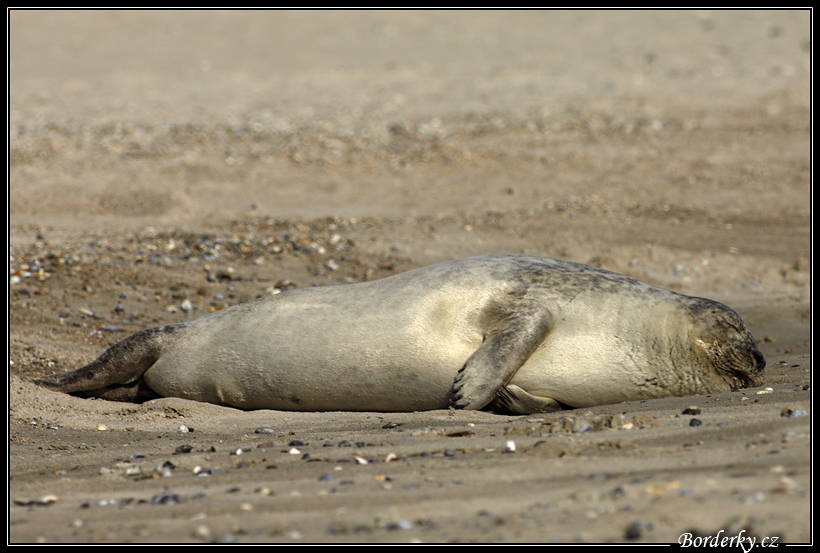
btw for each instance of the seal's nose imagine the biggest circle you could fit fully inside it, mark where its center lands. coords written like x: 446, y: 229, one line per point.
x: 759, y: 360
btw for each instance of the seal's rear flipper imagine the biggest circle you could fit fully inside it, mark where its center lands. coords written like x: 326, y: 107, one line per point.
x: 121, y: 364
x: 135, y: 392
x: 506, y: 347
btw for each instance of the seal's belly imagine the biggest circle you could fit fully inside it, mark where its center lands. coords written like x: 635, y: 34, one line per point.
x: 371, y: 380
x: 584, y: 370
x: 312, y: 357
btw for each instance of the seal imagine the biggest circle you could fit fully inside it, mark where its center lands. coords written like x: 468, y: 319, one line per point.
x: 514, y: 332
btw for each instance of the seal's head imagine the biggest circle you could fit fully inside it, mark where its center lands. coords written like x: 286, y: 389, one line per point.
x: 721, y: 338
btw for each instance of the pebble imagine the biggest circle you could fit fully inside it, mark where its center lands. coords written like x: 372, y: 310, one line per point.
x: 44, y: 500
x: 264, y: 430
x: 182, y: 429
x: 637, y: 529
x: 789, y: 412
x: 753, y: 498
x: 202, y: 532
x: 401, y: 524
x: 133, y: 471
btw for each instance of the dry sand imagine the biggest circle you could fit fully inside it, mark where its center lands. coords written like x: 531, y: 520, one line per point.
x: 165, y: 164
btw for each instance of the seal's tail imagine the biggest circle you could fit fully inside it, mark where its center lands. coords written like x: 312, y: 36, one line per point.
x: 116, y: 373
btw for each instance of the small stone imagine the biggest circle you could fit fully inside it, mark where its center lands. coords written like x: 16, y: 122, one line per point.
x: 637, y: 529
x: 202, y: 532
x: 165, y: 499
x: 44, y: 500
x: 402, y: 524
x: 264, y: 430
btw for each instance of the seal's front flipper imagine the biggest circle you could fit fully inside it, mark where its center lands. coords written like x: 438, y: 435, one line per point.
x: 514, y: 399
x: 122, y: 363
x: 506, y: 347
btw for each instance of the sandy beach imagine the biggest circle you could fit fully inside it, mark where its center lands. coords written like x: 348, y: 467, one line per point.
x: 164, y: 165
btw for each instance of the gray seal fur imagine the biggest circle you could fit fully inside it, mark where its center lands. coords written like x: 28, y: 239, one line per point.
x: 521, y: 333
